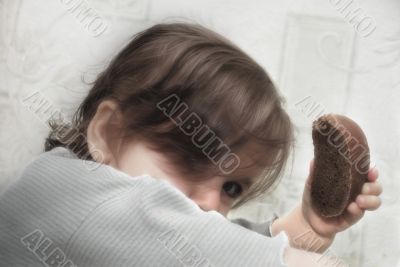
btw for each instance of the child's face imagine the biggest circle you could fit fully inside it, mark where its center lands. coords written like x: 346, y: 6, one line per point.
x: 211, y: 194
x: 134, y: 158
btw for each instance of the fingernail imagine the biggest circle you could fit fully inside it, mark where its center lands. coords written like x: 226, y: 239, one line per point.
x: 372, y: 165
x: 361, y: 200
x: 366, y: 189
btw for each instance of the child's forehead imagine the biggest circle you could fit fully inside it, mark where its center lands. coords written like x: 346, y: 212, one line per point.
x: 253, y: 160
x: 247, y: 174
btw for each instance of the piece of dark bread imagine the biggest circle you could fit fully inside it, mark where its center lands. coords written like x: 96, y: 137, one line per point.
x: 341, y: 164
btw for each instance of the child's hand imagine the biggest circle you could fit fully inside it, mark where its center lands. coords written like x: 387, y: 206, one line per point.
x: 307, y: 230
x: 328, y: 227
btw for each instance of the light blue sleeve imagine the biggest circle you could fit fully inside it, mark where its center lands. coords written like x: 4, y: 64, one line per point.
x: 157, y: 225
x: 61, y: 213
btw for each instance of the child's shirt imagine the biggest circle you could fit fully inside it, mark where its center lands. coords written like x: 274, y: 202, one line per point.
x: 64, y: 211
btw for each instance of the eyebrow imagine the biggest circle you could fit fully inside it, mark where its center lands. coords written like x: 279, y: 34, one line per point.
x: 248, y: 181
x: 243, y: 179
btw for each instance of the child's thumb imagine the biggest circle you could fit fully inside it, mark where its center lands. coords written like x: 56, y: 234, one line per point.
x: 311, y: 173
x: 307, y: 187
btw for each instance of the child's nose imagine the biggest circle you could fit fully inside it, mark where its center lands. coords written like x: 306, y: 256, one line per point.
x: 209, y: 199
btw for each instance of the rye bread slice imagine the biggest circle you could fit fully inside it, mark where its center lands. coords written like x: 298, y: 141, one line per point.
x: 341, y: 164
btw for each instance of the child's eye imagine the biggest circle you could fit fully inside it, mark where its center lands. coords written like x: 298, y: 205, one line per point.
x: 233, y: 189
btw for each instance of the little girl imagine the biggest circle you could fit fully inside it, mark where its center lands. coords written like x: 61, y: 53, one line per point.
x: 180, y: 128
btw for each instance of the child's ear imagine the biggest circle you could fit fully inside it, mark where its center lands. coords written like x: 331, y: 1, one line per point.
x: 101, y: 132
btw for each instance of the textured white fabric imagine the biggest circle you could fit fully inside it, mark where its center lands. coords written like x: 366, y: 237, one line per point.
x: 63, y: 211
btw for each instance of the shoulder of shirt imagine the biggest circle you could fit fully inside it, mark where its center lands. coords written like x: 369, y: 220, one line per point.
x: 66, y: 156
x: 162, y: 204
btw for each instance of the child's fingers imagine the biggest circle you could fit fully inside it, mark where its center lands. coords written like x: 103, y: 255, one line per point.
x: 374, y: 188
x: 373, y: 174
x: 354, y: 214
x: 368, y: 202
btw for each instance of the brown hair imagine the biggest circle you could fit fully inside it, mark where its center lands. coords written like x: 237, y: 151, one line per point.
x: 219, y: 82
